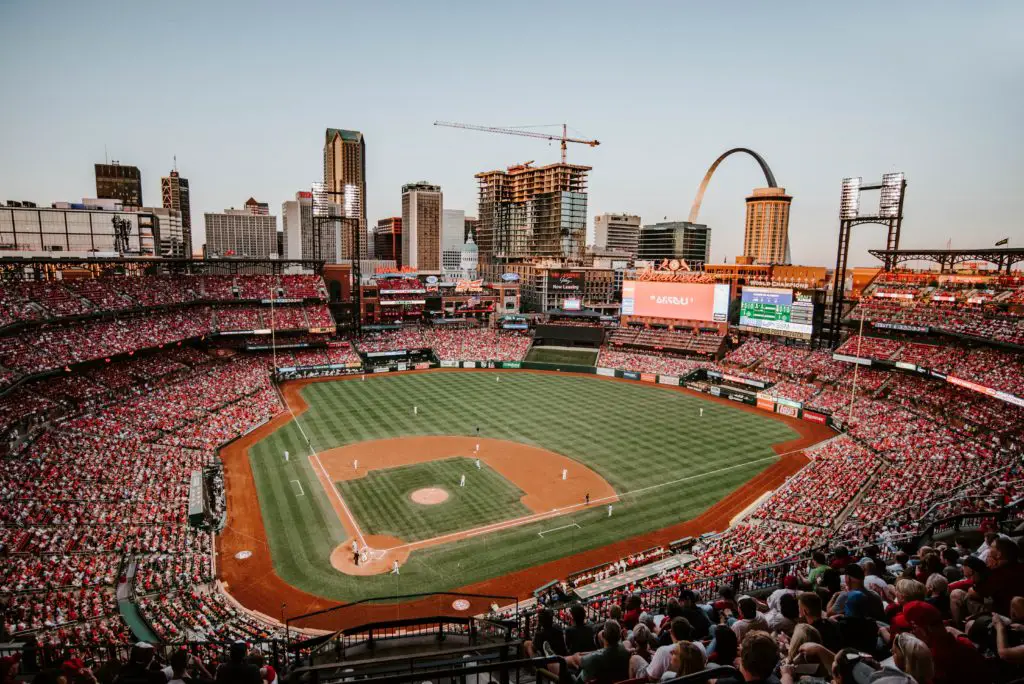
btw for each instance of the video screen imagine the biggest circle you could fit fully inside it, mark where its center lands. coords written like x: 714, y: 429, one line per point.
x: 707, y: 302
x: 777, y: 310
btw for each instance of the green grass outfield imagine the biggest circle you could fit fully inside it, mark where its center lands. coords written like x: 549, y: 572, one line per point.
x: 579, y: 357
x: 667, y: 464
x: 381, y: 505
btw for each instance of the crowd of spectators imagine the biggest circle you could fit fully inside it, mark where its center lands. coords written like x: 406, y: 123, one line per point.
x: 103, y: 493
x: 943, y: 614
x: 646, y: 362
x: 470, y: 344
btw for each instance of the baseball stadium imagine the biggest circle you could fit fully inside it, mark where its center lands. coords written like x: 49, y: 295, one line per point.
x: 208, y: 452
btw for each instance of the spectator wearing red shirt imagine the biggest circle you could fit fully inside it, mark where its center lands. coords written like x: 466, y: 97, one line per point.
x: 841, y: 558
x: 956, y: 658
x: 1005, y: 578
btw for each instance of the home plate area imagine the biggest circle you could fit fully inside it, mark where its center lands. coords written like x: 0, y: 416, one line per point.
x: 394, y: 496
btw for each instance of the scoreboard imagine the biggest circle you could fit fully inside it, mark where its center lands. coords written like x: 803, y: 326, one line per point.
x: 777, y: 310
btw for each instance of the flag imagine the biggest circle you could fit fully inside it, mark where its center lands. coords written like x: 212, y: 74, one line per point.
x: 1004, y: 241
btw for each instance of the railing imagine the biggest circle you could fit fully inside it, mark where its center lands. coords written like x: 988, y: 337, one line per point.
x: 451, y: 663
x: 474, y: 672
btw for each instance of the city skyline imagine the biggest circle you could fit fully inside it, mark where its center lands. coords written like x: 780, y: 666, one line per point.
x: 929, y: 93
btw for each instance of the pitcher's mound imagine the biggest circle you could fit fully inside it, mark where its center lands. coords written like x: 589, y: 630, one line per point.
x: 429, y: 496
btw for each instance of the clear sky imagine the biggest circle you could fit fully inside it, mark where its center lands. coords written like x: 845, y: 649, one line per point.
x: 241, y: 92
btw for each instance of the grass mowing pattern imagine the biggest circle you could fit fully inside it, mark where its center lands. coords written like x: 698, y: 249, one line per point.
x: 381, y: 505
x: 578, y: 357
x: 635, y: 435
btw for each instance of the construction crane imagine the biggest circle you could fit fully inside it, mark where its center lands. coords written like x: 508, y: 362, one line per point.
x: 564, y: 138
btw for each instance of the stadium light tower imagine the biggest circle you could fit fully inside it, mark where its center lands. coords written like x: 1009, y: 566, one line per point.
x: 893, y: 187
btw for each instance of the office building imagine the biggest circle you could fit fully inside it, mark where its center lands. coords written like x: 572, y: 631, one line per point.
x: 387, y: 240
x: 422, y: 206
x: 241, y: 233
x: 531, y: 212
x: 676, y: 240
x: 87, y: 229
x: 453, y: 238
x: 766, y: 236
x: 257, y: 208
x: 124, y: 183
x: 175, y: 194
x: 619, y: 232
x: 345, y: 182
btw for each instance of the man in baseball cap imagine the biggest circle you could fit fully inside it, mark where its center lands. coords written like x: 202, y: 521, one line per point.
x: 955, y: 656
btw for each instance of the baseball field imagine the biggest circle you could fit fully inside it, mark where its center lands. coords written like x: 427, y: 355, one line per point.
x: 461, y: 477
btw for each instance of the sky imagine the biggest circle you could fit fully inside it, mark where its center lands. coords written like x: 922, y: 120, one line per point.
x: 241, y: 93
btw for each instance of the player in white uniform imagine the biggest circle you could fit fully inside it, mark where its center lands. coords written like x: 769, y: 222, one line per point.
x: 478, y: 464
x: 462, y: 481
x: 565, y: 474
x: 286, y: 457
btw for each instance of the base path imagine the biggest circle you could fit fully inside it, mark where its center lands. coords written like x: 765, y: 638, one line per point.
x: 535, y: 471
x: 254, y: 583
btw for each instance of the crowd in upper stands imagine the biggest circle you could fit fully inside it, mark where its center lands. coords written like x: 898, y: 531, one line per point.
x: 470, y: 344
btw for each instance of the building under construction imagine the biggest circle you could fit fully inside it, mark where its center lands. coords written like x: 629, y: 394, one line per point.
x: 529, y: 213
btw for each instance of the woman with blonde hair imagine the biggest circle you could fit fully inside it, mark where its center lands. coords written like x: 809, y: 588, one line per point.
x: 687, y: 659
x: 913, y: 657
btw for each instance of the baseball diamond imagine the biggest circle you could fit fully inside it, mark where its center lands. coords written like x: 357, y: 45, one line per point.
x: 645, y: 447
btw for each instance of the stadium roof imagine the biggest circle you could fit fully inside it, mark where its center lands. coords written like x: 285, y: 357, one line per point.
x: 1003, y: 257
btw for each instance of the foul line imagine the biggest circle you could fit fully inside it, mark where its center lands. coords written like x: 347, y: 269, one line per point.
x: 330, y: 485
x: 537, y: 517
x: 556, y: 529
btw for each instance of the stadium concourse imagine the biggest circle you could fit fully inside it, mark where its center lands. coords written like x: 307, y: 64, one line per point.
x: 117, y: 390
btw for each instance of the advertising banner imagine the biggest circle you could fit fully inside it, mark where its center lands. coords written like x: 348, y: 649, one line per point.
x: 668, y: 380
x: 814, y: 417
x: 572, y: 304
x: 382, y: 369
x: 565, y: 282
x: 374, y: 355
x: 648, y: 377
x: 743, y: 381
x: 851, y: 359
x: 787, y: 402
x: 423, y: 365
x: 607, y: 372
x: 469, y: 364
x: 894, y: 295
x: 716, y: 390
x: 906, y: 366
x: 281, y: 301
x: 321, y: 330
x: 448, y: 363
x: 707, y: 302
x: 402, y: 366
x: 899, y: 326
x: 766, y: 403
x: 631, y: 375
x: 787, y: 411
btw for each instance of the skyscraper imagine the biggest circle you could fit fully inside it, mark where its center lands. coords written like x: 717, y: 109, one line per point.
x: 387, y: 240
x: 124, y: 183
x: 620, y: 232
x: 766, y: 237
x: 422, y: 206
x: 174, y: 190
x: 531, y: 212
x: 240, y: 233
x: 453, y: 237
x: 345, y: 181
x: 676, y: 240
